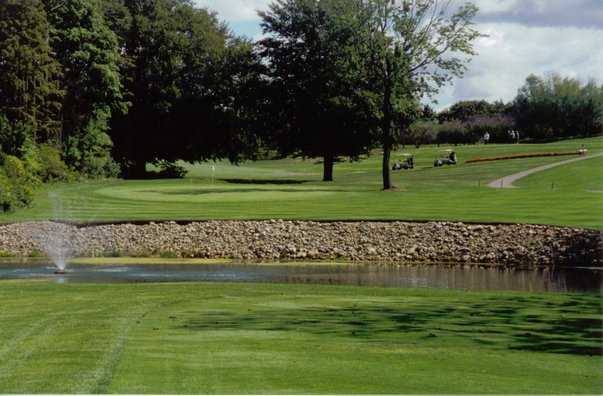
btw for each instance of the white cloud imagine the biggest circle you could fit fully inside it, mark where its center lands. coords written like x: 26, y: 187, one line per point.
x: 525, y: 36
x: 512, y: 52
x: 495, y: 5
x: 235, y: 10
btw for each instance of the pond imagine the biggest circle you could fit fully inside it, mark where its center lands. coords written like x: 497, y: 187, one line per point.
x: 377, y: 275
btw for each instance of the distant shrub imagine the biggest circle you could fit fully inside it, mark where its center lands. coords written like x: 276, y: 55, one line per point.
x: 168, y: 170
x: 13, y: 194
x: 455, y: 132
x: 114, y: 253
x: 168, y: 255
x: 4, y: 253
x: 36, y: 253
x: 111, y: 168
x: 13, y: 167
x: 7, y: 200
x: 497, y: 126
x: 16, y: 186
x: 420, y: 133
x: 472, y: 130
x: 52, y: 166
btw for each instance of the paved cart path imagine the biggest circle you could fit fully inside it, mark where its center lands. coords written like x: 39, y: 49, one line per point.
x: 507, y: 181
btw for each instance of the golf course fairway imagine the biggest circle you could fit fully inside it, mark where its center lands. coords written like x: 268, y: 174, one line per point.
x: 198, y: 338
x: 568, y: 195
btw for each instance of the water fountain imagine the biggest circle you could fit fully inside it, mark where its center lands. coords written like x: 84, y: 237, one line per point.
x: 54, y: 240
x: 54, y: 237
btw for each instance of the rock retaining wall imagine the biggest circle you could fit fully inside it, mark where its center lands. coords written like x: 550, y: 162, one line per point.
x: 441, y: 242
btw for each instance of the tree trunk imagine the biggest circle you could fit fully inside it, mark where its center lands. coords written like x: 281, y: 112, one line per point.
x: 387, y: 138
x: 137, y: 164
x: 387, y: 180
x: 328, y: 162
x: 137, y: 170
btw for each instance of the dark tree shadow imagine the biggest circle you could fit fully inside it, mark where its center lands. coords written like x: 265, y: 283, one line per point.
x: 196, y: 191
x: 265, y: 181
x: 494, y: 323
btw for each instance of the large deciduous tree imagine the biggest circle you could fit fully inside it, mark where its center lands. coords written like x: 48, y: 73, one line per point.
x: 413, y: 47
x: 89, y: 54
x: 184, y: 71
x: 312, y: 51
x: 30, y: 96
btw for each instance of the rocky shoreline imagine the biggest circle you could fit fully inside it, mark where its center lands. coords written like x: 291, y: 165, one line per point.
x: 403, y: 242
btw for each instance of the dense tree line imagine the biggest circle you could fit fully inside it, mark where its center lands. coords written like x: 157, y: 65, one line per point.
x: 92, y: 88
x: 557, y: 107
x: 547, y: 108
x: 106, y: 87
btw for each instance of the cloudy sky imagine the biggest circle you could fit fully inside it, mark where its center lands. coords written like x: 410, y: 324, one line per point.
x: 524, y: 36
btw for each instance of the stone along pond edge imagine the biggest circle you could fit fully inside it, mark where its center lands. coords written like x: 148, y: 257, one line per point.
x: 309, y: 241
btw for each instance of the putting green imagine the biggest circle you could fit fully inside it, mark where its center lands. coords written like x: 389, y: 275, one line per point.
x: 203, y: 193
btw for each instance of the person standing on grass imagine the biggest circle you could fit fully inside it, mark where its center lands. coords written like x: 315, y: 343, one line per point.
x: 486, y: 137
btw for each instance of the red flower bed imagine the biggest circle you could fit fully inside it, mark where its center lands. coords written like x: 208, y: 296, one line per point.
x: 516, y: 156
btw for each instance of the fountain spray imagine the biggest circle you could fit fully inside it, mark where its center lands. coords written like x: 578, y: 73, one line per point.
x: 53, y: 237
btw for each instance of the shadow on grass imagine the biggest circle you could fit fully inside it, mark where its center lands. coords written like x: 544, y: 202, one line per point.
x: 495, y: 323
x: 265, y: 181
x: 244, y: 190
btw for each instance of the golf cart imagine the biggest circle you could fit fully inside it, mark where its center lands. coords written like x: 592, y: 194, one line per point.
x: 407, y: 163
x: 447, y: 157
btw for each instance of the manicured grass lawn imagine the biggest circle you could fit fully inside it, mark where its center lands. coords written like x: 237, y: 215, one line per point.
x: 291, y: 339
x: 291, y: 189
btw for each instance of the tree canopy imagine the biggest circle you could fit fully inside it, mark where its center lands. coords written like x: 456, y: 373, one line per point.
x: 559, y: 107
x: 30, y: 93
x: 314, y: 69
x: 412, y: 48
x: 182, y: 73
x: 88, y: 52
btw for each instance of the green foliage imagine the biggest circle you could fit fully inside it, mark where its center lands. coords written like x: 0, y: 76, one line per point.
x: 89, y: 54
x: 13, y: 136
x: 466, y: 110
x: 16, y: 186
x: 168, y: 255
x: 421, y: 132
x: 558, y: 107
x: 30, y: 94
x: 5, y: 254
x: 184, y: 72
x: 43, y: 163
x: 314, y: 65
x: 52, y: 166
x: 36, y: 253
x: 7, y: 200
x: 170, y: 170
x: 410, y: 52
x: 13, y: 168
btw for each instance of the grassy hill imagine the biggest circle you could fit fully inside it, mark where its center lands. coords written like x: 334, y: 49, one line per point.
x: 291, y: 188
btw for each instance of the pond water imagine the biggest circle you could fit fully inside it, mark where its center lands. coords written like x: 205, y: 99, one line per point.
x: 379, y: 275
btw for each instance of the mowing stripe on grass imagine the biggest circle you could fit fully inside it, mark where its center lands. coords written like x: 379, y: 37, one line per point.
x: 22, y: 356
